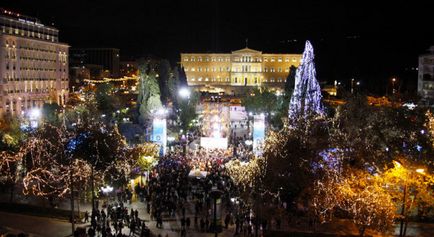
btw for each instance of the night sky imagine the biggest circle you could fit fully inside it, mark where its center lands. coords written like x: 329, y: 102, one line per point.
x: 366, y: 40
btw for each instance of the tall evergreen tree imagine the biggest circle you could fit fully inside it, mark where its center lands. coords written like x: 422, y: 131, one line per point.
x: 182, y: 77
x: 163, y: 79
x: 290, y: 80
x: 306, y: 98
x: 148, y: 100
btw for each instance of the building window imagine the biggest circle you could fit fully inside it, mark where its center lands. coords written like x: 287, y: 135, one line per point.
x: 272, y: 60
x: 192, y: 79
x: 193, y: 69
x: 186, y: 69
x: 294, y: 60
x: 186, y: 59
x: 265, y: 59
x: 279, y: 59
x: 256, y: 80
x: 192, y: 59
x: 286, y: 60
x: 287, y: 69
x: 236, y: 80
x: 279, y: 69
x: 200, y: 79
x: 199, y: 59
x: 272, y: 79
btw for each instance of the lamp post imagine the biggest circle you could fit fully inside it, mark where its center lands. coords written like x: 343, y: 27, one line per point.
x: 393, y: 86
x: 184, y: 93
x: 398, y: 165
x: 215, y: 194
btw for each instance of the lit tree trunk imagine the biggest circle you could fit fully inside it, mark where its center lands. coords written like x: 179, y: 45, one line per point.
x: 362, y: 230
x: 92, y: 187
x: 401, y: 228
x: 72, y: 201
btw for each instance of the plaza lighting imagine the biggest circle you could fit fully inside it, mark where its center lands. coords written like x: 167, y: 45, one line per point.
x: 107, y: 189
x: 184, y: 92
x: 397, y: 164
x: 35, y: 113
x: 420, y: 171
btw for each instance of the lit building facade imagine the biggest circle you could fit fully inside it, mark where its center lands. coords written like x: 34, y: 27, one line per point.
x: 425, y: 85
x: 241, y: 68
x: 33, y: 64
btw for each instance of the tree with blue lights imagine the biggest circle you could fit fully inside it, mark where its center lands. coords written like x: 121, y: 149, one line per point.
x: 306, y: 98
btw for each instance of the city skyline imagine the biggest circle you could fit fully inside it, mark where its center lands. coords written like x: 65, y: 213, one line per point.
x: 370, y: 42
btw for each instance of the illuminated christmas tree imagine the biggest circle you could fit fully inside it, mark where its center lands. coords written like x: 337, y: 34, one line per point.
x: 306, y: 98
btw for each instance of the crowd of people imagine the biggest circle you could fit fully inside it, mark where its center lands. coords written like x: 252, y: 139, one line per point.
x: 171, y: 194
x: 113, y: 220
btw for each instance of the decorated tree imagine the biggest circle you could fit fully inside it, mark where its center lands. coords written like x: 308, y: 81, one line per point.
x: 306, y: 97
x: 410, y: 186
x: 360, y: 195
x: 293, y: 157
x: 246, y: 175
x: 370, y: 136
x: 105, y: 151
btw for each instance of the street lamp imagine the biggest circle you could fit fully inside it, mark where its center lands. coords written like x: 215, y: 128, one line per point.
x: 184, y: 92
x: 34, y: 116
x: 398, y: 165
x: 393, y: 86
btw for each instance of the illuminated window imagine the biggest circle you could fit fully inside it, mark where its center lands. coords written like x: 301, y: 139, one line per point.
x: 272, y: 59
x: 236, y: 80
x: 287, y: 69
x: 227, y: 79
x: 212, y: 59
x: 279, y: 79
x: 186, y: 59
x: 186, y: 69
x: 207, y: 59
x: 272, y: 79
x: 200, y: 79
x: 199, y: 59
x: 192, y: 79
x: 272, y: 69
x: 228, y: 59
x: 279, y: 59
x: 192, y: 59
x: 286, y: 59
x: 206, y: 79
x: 294, y: 59
x: 265, y: 69
x: 228, y: 69
x: 265, y: 59
x: 199, y: 69
x: 193, y: 69
x: 279, y: 69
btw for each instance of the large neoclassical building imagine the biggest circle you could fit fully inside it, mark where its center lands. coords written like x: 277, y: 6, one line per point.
x: 242, y: 68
